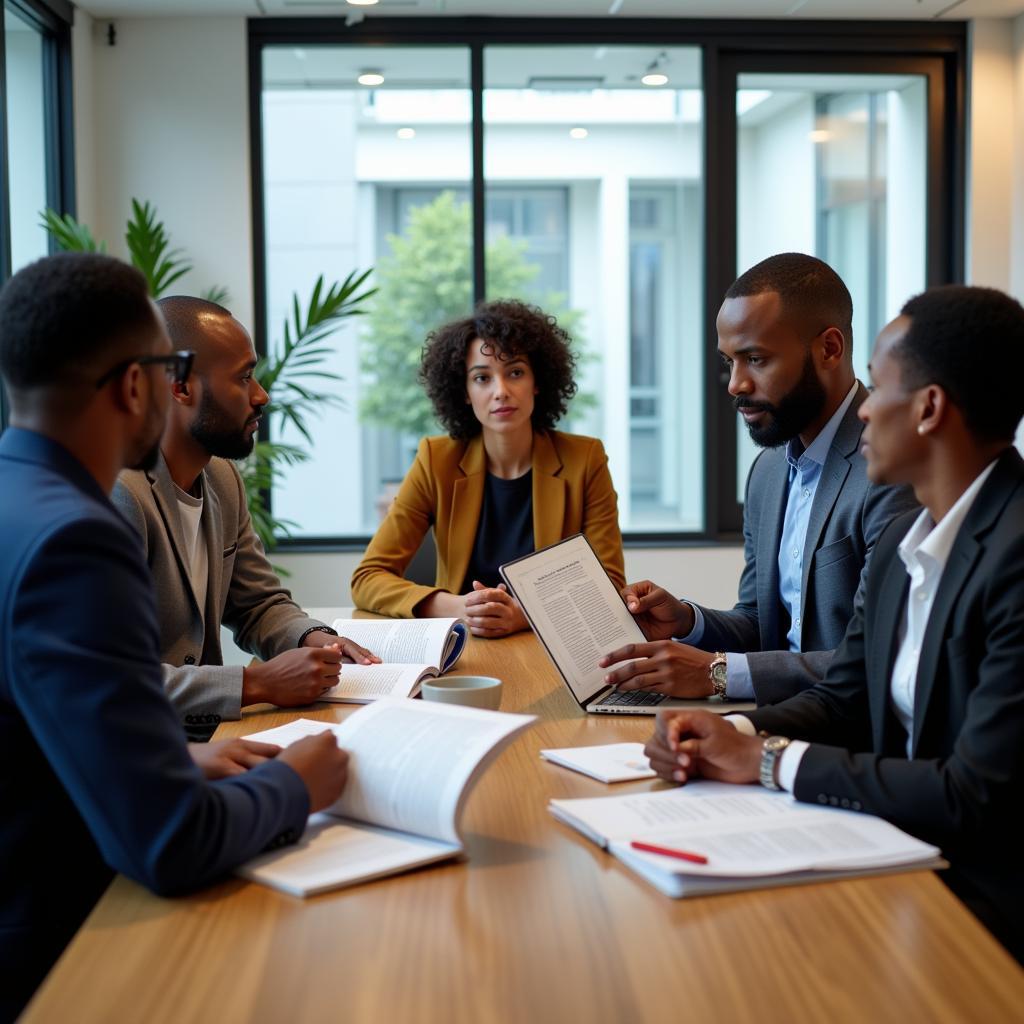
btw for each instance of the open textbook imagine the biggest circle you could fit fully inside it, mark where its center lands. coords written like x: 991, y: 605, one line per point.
x: 751, y: 838
x: 579, y: 616
x: 411, y: 650
x: 411, y: 768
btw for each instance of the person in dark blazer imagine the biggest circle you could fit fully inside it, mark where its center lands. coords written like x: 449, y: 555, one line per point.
x: 920, y: 717
x: 811, y: 516
x: 208, y: 565
x: 503, y: 482
x: 95, y: 773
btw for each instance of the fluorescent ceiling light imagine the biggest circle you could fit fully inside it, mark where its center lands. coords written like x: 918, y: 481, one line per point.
x: 406, y: 133
x: 362, y: 3
x: 578, y: 133
x: 370, y: 76
x: 654, y: 78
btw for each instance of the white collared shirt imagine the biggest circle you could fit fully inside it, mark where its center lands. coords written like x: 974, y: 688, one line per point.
x: 924, y: 552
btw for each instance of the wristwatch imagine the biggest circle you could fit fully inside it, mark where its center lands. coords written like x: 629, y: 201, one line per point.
x: 770, y: 753
x: 717, y: 673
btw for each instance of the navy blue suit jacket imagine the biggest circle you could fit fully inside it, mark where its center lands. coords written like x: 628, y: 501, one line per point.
x: 95, y: 774
x: 962, y: 788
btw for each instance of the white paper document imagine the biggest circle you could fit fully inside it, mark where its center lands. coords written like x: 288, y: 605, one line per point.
x: 411, y: 768
x: 749, y: 836
x: 608, y: 762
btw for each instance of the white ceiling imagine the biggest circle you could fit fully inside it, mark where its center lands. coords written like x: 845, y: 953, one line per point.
x: 865, y: 9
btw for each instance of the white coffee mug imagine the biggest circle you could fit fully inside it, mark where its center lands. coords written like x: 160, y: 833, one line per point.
x: 474, y: 691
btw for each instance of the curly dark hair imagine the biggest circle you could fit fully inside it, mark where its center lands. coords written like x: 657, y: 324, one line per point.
x: 511, y: 328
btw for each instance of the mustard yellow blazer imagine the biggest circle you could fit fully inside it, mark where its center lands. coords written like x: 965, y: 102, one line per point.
x: 444, y: 488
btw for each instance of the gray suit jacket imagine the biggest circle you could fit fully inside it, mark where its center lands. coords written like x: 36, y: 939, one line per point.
x: 242, y: 591
x: 847, y: 516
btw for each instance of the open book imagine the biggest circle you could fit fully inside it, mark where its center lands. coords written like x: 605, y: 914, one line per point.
x: 411, y: 768
x: 411, y: 649
x: 751, y: 838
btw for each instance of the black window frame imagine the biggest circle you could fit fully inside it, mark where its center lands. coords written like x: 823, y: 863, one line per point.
x: 53, y: 20
x: 937, y: 50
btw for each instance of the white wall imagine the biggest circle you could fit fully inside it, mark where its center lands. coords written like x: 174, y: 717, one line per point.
x: 167, y: 111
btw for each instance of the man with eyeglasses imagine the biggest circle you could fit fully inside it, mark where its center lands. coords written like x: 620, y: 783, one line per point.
x: 810, y: 515
x: 95, y: 773
x: 208, y: 565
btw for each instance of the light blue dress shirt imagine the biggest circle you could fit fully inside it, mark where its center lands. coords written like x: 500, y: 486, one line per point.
x: 805, y: 466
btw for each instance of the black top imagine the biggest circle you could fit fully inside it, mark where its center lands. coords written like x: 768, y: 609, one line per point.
x: 505, y: 530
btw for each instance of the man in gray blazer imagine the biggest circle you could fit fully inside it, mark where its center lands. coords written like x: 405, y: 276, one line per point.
x: 207, y: 563
x: 810, y: 518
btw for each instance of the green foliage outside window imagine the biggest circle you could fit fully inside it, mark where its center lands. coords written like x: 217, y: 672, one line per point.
x: 426, y: 281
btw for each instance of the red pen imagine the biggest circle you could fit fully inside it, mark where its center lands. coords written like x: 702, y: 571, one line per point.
x: 667, y: 851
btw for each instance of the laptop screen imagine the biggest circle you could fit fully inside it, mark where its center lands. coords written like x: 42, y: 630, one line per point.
x: 574, y: 609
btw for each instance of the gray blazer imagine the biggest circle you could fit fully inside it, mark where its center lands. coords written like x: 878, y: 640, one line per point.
x: 243, y: 590
x: 847, y: 516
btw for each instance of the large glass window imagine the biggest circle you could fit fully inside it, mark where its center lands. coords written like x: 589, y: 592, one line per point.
x: 36, y: 161
x: 26, y: 136
x: 356, y: 176
x: 594, y: 190
x: 834, y: 165
x: 602, y: 178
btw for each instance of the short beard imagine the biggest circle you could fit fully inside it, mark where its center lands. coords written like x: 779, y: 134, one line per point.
x: 794, y: 413
x: 214, y: 433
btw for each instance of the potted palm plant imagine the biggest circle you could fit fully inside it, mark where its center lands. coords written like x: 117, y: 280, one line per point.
x: 293, y: 371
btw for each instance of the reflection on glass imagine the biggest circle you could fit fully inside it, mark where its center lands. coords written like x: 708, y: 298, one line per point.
x: 26, y: 138
x: 594, y: 212
x: 834, y: 165
x: 366, y: 177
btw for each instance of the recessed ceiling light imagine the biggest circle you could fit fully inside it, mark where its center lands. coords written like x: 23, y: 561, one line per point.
x: 406, y: 133
x: 654, y: 78
x: 370, y: 76
x: 362, y: 3
x: 578, y: 133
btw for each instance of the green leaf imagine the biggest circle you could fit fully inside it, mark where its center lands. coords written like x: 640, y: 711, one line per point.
x: 150, y: 251
x: 216, y: 293
x: 69, y: 234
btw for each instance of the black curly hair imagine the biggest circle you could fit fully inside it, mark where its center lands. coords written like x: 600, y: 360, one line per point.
x: 510, y: 328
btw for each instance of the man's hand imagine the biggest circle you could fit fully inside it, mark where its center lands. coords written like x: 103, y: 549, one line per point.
x: 224, y: 758
x: 688, y: 744
x: 660, y: 615
x: 321, y: 764
x: 294, y: 677
x: 493, y: 611
x: 350, y: 650
x: 663, y: 666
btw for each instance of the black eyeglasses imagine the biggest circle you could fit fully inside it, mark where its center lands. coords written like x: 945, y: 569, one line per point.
x: 178, y: 365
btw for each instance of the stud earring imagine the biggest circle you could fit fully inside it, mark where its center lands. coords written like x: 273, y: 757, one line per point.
x: 920, y: 429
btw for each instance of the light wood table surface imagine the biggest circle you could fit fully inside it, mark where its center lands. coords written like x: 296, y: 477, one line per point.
x: 536, y: 925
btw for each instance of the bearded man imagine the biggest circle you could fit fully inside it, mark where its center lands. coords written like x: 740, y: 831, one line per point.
x: 810, y: 516
x: 207, y: 563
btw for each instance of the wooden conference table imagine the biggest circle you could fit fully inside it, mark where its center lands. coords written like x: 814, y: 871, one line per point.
x: 537, y: 925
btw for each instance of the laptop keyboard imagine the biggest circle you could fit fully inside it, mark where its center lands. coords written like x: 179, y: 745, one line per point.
x: 633, y: 698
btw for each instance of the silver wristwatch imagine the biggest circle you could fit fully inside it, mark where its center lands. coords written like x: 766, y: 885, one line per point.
x: 770, y: 753
x: 717, y: 673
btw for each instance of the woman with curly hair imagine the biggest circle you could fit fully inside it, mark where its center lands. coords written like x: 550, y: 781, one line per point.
x: 501, y: 484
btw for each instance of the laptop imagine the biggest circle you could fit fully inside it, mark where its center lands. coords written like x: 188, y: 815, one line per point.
x: 579, y: 616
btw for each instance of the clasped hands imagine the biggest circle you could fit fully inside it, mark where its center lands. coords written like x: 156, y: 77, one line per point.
x: 688, y: 744
x: 661, y: 665
x: 493, y: 611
